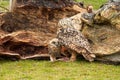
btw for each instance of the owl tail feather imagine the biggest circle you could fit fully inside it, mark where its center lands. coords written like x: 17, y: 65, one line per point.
x: 89, y: 56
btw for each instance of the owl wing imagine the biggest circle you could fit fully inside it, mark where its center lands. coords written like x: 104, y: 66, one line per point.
x: 73, y: 39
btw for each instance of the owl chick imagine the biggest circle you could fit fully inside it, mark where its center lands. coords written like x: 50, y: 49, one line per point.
x: 56, y: 50
x: 53, y: 49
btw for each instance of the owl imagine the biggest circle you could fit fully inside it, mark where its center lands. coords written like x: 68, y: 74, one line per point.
x: 69, y: 36
x: 74, y: 41
x: 53, y: 49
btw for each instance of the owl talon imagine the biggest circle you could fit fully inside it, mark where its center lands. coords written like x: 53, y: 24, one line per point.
x: 92, y: 55
x: 72, y: 59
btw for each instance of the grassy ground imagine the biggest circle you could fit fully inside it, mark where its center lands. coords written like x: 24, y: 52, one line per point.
x: 96, y: 3
x: 45, y: 70
x: 4, y: 4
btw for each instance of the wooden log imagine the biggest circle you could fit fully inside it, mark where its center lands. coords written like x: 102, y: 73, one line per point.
x: 31, y: 27
x: 12, y: 5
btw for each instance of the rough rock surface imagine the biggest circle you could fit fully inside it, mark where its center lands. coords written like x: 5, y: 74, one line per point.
x: 26, y: 31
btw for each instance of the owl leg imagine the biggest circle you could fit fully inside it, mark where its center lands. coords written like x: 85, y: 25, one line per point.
x: 88, y: 56
x: 73, y: 56
x: 52, y: 58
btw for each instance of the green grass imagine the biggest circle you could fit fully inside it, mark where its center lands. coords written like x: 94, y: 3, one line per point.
x: 4, y: 4
x: 96, y: 3
x: 45, y: 70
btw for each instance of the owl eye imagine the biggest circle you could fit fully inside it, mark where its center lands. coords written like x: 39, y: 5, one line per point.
x: 55, y: 43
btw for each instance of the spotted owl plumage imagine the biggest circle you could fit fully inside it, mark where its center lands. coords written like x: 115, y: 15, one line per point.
x: 54, y: 49
x: 71, y: 38
x: 75, y: 41
x: 74, y: 21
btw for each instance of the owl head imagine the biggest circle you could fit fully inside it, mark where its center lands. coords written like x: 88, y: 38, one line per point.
x: 54, y: 42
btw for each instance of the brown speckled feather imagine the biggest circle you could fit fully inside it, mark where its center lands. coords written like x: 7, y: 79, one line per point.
x: 74, y: 40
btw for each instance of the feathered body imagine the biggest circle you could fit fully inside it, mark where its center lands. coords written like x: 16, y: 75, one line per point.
x: 54, y: 49
x: 74, y: 21
x: 72, y: 38
x: 75, y: 41
x: 69, y: 36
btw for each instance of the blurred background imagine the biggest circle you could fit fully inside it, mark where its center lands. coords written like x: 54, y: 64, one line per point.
x: 4, y: 4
